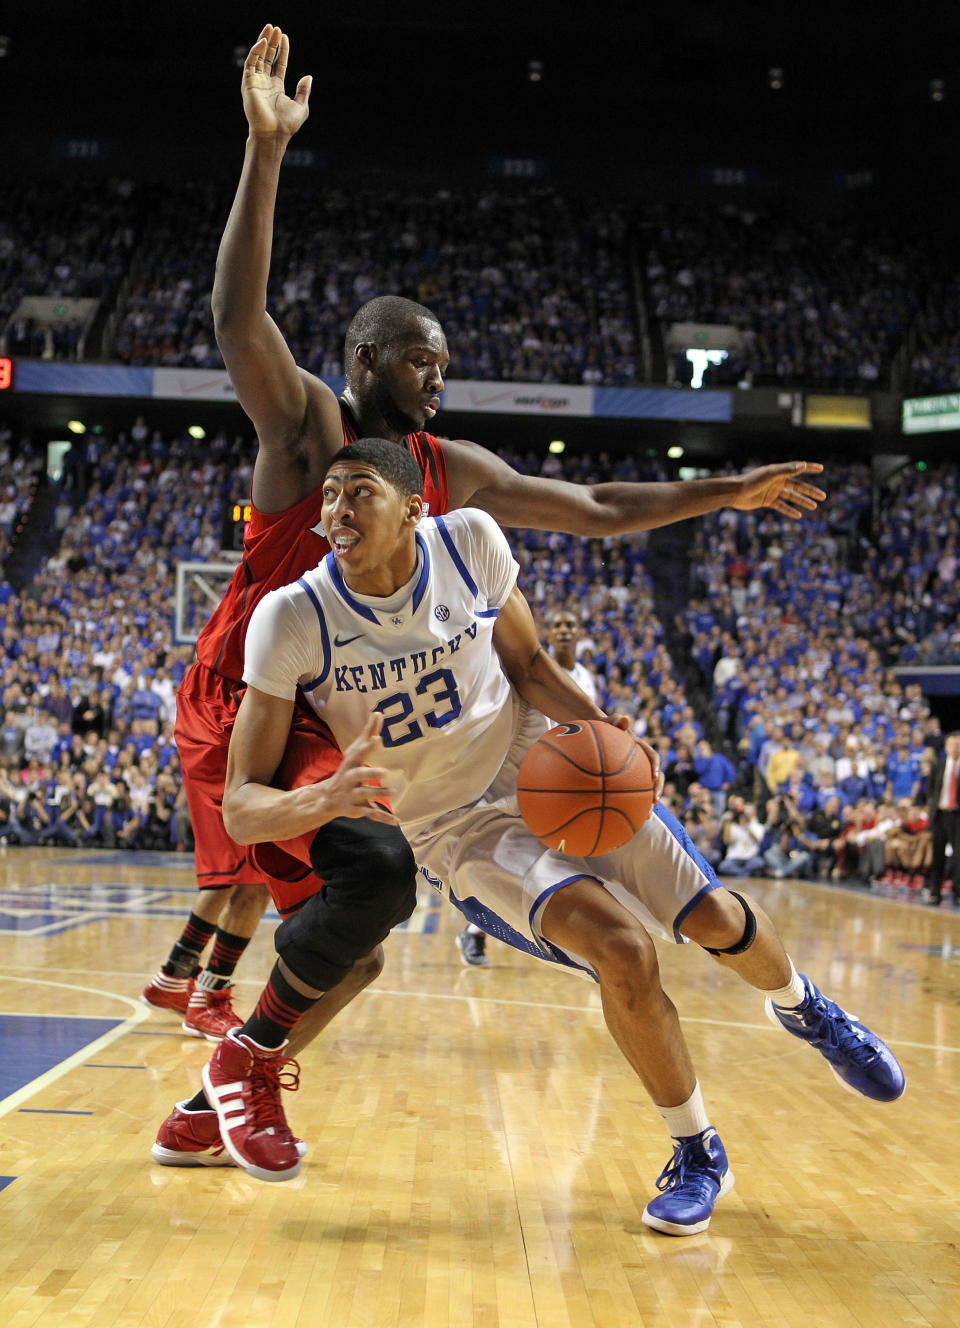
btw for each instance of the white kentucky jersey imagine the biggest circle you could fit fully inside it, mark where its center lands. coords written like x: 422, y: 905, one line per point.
x: 584, y: 679
x: 423, y: 658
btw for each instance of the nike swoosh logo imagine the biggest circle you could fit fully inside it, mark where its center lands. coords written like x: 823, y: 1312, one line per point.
x: 345, y: 641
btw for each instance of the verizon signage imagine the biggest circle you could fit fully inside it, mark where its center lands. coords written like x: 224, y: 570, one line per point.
x: 519, y: 398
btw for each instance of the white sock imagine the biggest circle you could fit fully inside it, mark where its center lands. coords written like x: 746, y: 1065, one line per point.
x: 689, y: 1118
x: 793, y: 994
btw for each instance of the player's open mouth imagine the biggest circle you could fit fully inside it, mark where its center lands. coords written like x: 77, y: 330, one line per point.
x: 343, y: 543
x: 431, y: 407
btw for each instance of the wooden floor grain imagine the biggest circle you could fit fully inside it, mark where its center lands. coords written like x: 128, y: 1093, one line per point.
x: 479, y: 1154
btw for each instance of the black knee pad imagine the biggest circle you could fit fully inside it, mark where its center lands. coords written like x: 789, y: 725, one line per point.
x: 369, y: 886
x: 749, y: 930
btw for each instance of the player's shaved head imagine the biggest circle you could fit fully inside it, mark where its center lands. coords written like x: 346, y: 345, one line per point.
x: 382, y: 321
x: 391, y: 461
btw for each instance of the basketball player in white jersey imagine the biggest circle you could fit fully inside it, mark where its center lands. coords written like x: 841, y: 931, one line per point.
x: 563, y: 633
x: 414, y: 630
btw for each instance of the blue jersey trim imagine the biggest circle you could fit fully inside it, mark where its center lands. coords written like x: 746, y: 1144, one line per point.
x: 670, y: 822
x: 558, y: 955
x: 420, y: 589
x: 487, y: 613
x: 340, y: 587
x: 454, y: 553
x: 324, y: 636
x: 483, y: 916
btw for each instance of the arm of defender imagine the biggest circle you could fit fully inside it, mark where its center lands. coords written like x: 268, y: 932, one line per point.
x: 279, y: 397
x: 255, y: 813
x: 478, y: 478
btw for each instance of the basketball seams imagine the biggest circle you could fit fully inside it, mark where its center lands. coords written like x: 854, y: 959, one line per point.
x: 544, y: 791
x: 603, y: 789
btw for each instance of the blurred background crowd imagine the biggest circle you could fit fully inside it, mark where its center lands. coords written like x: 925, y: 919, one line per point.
x: 756, y: 654
x: 836, y: 302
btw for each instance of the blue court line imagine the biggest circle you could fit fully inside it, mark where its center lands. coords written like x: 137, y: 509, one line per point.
x: 5, y: 1181
x: 33, y: 1044
x: 51, y: 1111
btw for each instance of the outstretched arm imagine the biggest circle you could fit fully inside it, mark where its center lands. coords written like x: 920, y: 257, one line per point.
x: 480, y: 479
x: 276, y: 395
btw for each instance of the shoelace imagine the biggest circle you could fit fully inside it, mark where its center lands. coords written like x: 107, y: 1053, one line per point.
x: 835, y: 1028
x: 266, y: 1079
x: 843, y: 1036
x: 676, y: 1174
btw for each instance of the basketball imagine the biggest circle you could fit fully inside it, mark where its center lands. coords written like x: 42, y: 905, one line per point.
x: 585, y: 788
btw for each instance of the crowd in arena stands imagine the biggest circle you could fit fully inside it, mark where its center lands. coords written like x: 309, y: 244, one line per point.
x: 68, y: 239
x: 532, y: 283
x: 796, y: 631
x: 935, y: 357
x: 21, y: 467
x: 807, y: 756
x: 529, y: 286
x: 90, y: 670
x: 818, y: 303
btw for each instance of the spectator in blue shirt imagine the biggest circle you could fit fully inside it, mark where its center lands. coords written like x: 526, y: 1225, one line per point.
x: 715, y: 773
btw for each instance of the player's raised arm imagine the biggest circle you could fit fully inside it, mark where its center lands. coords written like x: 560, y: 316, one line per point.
x: 480, y: 479
x: 274, y: 392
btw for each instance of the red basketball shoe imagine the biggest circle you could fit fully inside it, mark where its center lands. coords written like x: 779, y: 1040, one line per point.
x: 192, y: 1139
x: 210, y: 1014
x: 165, y: 993
x: 243, y: 1082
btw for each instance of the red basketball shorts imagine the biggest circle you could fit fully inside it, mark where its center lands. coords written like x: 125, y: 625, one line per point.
x: 207, y: 707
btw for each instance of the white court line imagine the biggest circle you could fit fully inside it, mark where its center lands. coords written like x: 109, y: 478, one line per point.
x: 138, y: 1015
x: 765, y: 1027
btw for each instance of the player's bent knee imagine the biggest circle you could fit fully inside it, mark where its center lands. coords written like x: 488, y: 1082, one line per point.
x: 626, y: 957
x: 365, y: 859
x: 250, y: 895
x: 369, y: 887
x: 723, y: 923
x: 367, y: 969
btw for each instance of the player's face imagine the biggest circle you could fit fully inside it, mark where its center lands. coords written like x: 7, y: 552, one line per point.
x: 369, y: 527
x: 409, y: 377
x: 564, y: 629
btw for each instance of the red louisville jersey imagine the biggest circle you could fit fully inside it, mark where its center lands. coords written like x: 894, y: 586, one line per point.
x: 278, y: 547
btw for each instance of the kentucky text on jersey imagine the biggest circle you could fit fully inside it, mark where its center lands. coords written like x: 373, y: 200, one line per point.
x: 378, y: 677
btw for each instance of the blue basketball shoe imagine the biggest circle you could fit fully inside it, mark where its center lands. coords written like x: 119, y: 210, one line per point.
x: 861, y: 1062
x: 690, y: 1184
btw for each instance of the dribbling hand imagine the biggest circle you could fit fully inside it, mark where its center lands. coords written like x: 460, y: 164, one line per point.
x: 356, y: 784
x: 268, y: 109
x: 625, y: 723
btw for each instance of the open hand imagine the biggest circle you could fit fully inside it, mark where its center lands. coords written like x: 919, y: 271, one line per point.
x: 780, y: 487
x: 268, y: 109
x: 356, y: 785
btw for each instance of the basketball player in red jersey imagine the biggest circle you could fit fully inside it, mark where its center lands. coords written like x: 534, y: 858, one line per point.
x: 395, y: 360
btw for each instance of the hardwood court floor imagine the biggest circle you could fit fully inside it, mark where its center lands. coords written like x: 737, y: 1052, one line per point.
x: 479, y: 1153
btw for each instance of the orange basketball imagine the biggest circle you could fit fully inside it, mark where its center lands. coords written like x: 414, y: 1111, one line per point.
x: 585, y: 788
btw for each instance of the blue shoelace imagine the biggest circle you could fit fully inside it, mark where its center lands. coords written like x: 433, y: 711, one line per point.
x: 836, y: 1029
x: 693, y: 1176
